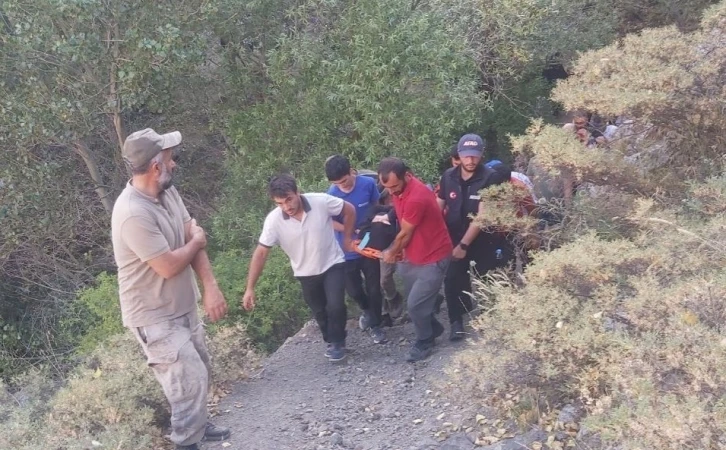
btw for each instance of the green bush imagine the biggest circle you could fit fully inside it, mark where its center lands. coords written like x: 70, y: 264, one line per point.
x: 280, y: 311
x: 95, y: 316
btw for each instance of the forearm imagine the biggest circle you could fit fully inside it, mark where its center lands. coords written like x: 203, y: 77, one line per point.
x: 337, y: 226
x: 203, y: 267
x: 257, y: 264
x: 348, y: 221
x: 181, y: 258
x: 400, y: 242
x: 471, y: 233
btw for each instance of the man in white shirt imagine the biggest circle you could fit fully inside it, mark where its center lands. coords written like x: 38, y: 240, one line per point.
x: 302, y: 226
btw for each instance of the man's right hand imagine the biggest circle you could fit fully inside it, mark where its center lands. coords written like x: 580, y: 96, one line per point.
x: 248, y: 300
x: 198, y: 233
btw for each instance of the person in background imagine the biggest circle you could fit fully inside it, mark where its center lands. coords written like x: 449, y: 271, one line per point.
x: 581, y: 121
x: 302, y: 225
x: 362, y: 193
x: 158, y: 247
x: 460, y: 199
x: 426, y: 248
x: 382, y: 225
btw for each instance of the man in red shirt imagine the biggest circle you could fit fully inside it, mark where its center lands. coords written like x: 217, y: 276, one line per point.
x: 426, y: 246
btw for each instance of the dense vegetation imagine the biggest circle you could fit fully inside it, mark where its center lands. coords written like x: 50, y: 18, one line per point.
x: 260, y: 86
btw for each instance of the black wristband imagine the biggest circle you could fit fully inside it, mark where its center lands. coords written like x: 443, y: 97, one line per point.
x: 464, y: 246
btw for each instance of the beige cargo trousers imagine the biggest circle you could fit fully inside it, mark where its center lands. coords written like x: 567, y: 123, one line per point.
x: 177, y: 353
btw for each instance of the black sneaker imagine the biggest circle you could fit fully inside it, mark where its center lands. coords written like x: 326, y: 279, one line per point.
x: 336, y: 352
x: 215, y: 433
x: 328, y: 348
x: 187, y: 447
x: 418, y: 352
x: 457, y: 331
x: 379, y: 337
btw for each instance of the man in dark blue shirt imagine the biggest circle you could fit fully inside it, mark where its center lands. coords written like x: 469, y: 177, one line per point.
x: 362, y: 193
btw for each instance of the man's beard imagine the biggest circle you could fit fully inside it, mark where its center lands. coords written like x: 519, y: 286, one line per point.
x: 165, y: 183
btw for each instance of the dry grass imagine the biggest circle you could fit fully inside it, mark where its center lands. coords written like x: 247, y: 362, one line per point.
x: 631, y: 329
x: 111, y: 399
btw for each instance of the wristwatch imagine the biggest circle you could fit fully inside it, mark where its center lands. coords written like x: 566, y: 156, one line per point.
x: 463, y: 246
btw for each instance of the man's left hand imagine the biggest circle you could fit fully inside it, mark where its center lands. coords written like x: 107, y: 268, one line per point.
x: 215, y: 305
x: 348, y: 245
x: 458, y: 253
x: 388, y: 257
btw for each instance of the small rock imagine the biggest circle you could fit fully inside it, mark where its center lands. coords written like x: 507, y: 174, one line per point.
x: 569, y: 414
x: 304, y: 427
x: 336, y: 439
x: 457, y: 441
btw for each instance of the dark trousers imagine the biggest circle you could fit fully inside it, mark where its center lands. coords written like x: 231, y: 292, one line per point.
x: 457, y: 284
x: 422, y: 283
x: 369, y: 297
x: 325, y: 295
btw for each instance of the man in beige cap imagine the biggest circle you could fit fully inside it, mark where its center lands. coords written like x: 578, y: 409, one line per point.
x: 158, y: 247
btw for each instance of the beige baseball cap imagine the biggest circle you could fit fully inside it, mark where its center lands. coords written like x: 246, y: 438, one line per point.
x: 141, y: 146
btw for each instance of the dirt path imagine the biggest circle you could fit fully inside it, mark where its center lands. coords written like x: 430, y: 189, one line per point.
x: 371, y: 401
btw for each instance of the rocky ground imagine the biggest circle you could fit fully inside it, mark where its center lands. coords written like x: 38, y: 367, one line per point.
x: 373, y: 400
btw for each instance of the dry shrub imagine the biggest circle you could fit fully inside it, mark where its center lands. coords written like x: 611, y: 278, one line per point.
x: 500, y: 210
x: 560, y: 153
x: 233, y: 356
x: 631, y: 329
x: 668, y: 82
x: 112, y: 398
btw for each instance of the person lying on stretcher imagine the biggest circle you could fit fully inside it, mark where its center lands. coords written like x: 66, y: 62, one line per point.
x: 378, y: 231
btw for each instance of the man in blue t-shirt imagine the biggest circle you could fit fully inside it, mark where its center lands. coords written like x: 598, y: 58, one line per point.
x: 362, y: 193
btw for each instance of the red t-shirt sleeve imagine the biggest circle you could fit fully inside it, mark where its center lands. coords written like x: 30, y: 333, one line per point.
x: 415, y: 211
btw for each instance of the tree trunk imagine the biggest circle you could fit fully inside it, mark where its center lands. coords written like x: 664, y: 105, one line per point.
x: 101, y: 189
x: 114, y: 42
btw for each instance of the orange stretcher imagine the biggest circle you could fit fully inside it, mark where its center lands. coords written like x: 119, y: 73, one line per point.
x: 360, y: 247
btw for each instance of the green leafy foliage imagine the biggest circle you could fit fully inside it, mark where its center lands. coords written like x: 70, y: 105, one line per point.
x: 280, y: 309
x: 96, y: 314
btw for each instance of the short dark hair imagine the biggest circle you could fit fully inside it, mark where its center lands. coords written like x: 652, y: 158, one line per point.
x: 336, y: 167
x: 281, y: 185
x: 454, y: 152
x: 392, y: 164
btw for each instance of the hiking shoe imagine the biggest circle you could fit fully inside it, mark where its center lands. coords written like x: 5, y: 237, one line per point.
x: 364, y: 322
x: 336, y: 352
x: 215, y: 433
x: 457, y: 331
x: 418, y: 352
x: 187, y: 447
x: 386, y: 320
x: 379, y: 337
x: 437, y: 328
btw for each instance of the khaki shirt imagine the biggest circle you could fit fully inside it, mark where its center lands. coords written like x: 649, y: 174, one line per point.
x: 143, y: 228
